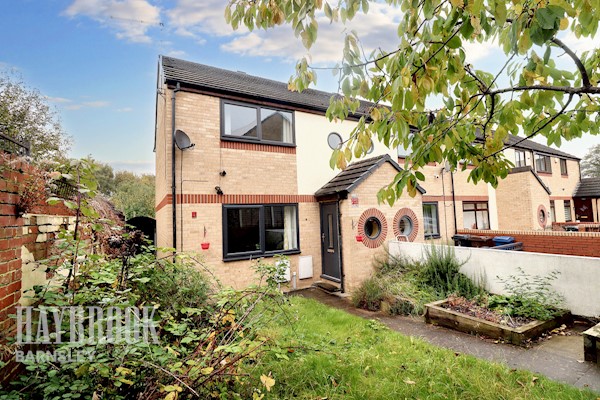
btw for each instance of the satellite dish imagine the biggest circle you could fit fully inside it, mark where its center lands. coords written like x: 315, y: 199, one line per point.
x: 182, y: 140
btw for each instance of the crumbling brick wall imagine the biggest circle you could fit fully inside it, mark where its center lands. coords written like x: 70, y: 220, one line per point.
x: 23, y: 239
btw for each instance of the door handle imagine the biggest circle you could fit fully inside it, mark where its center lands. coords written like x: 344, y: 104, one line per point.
x: 323, y: 237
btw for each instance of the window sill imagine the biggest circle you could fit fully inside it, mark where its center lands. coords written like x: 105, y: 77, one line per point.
x: 564, y: 175
x: 429, y: 237
x: 255, y: 256
x: 543, y: 173
x: 256, y: 141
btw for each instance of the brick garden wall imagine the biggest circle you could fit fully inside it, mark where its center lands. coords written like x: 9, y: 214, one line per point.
x: 31, y: 234
x: 567, y: 243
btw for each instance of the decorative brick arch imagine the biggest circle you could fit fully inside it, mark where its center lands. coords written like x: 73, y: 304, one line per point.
x: 541, y: 221
x: 378, y: 241
x: 413, y: 218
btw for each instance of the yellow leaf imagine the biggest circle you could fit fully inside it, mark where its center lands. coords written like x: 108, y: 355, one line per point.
x: 564, y: 23
x: 409, y: 382
x: 267, y: 381
x: 457, y: 3
x: 171, y: 396
x: 207, y: 370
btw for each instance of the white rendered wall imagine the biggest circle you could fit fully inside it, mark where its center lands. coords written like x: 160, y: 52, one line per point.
x: 313, y: 153
x: 578, y: 281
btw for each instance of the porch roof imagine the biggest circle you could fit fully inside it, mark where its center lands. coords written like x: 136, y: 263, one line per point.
x: 347, y: 180
x: 588, y: 187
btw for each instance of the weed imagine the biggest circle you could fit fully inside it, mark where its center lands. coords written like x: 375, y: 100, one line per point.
x: 530, y: 296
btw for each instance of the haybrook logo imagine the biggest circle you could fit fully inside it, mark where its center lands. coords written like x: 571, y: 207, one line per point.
x: 80, y: 327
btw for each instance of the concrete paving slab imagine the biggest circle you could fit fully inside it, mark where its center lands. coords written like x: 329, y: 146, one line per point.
x: 559, y: 358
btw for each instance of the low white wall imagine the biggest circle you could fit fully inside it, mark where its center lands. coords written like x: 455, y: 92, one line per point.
x: 578, y: 281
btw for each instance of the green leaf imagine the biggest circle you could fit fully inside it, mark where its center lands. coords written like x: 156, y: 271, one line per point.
x: 454, y: 43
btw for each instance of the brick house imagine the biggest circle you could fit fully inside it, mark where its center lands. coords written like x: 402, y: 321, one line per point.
x: 242, y: 172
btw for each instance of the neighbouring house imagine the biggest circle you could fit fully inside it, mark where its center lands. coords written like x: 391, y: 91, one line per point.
x: 587, y: 200
x: 242, y: 172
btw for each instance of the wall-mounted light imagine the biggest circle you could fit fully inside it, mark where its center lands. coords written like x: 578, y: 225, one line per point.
x: 218, y: 190
x: 223, y: 173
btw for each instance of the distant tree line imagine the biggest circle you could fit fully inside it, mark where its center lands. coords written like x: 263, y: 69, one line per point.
x: 130, y: 193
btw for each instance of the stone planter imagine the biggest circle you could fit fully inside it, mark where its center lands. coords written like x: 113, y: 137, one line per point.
x: 437, y: 315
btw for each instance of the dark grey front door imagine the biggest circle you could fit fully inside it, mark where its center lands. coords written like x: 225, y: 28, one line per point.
x: 330, y: 242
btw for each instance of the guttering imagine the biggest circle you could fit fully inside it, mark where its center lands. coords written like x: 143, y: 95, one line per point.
x: 173, y: 184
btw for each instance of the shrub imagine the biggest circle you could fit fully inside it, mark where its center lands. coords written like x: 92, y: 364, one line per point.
x: 370, y: 293
x: 441, y: 272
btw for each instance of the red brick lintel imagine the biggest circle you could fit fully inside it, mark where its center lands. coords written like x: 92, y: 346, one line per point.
x: 237, y: 199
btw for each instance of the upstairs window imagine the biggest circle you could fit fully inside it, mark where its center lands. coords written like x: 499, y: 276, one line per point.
x: 476, y: 216
x: 252, y: 123
x: 563, y: 167
x: 542, y: 163
x: 520, y: 160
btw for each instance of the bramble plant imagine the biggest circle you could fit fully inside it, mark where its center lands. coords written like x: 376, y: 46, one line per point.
x: 196, y: 334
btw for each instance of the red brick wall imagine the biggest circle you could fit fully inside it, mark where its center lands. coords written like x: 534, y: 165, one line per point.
x: 569, y: 243
x: 14, y: 233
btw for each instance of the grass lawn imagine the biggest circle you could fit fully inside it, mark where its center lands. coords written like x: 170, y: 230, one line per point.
x: 335, y: 355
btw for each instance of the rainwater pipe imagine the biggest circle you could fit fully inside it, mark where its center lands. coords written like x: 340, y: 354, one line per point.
x: 173, y: 184
x: 453, y: 201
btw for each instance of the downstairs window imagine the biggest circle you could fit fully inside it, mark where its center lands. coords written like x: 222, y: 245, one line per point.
x: 259, y: 230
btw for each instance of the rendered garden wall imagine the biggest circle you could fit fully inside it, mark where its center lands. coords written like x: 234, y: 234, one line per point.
x: 578, y: 281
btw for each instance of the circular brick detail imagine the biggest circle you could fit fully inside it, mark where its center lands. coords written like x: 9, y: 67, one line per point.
x: 413, y: 219
x: 378, y: 241
x: 542, y: 218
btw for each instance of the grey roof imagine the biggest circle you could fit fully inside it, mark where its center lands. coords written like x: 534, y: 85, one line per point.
x: 217, y: 80
x: 530, y: 145
x: 240, y: 84
x: 588, y: 187
x: 528, y: 168
x: 347, y: 180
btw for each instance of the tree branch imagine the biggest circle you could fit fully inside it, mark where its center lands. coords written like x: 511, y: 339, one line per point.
x: 585, y: 79
x: 565, y: 89
x: 535, y: 132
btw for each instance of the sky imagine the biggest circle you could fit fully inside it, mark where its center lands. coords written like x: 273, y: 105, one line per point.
x: 96, y: 61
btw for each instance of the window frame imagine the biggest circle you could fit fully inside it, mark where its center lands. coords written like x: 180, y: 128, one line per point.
x: 437, y: 219
x: 563, y: 171
x: 547, y: 163
x: 262, y: 232
x: 258, y: 139
x: 518, y: 158
x: 552, y: 211
x: 567, y: 205
x: 475, y: 210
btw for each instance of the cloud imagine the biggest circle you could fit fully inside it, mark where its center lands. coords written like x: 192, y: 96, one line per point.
x: 87, y: 104
x: 58, y: 99
x: 579, y: 45
x: 377, y: 29
x: 130, y: 19
x: 176, y: 53
x: 195, y: 18
x: 124, y: 109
